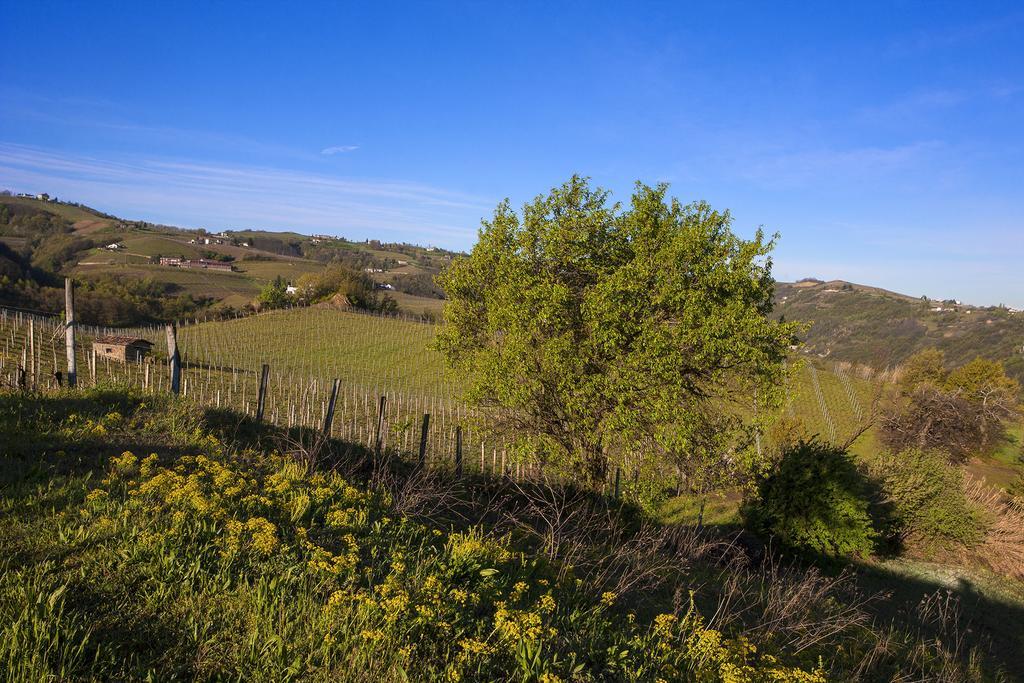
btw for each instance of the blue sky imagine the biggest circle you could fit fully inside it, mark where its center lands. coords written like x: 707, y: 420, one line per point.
x: 885, y: 142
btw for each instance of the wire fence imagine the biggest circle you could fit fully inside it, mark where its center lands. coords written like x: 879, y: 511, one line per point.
x: 377, y: 373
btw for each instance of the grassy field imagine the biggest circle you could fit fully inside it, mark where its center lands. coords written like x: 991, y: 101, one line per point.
x: 372, y: 356
x: 148, y: 539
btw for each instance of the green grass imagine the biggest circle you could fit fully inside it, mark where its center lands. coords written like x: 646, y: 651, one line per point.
x: 243, y: 565
x: 721, y: 509
x: 354, y: 347
x: 160, y: 245
x: 1005, y: 467
x: 289, y: 269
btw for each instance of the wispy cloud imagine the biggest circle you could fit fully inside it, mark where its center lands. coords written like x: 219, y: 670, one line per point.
x: 802, y: 167
x: 216, y: 195
x: 913, y: 106
x: 104, y: 118
x: 339, y: 149
x: 953, y: 36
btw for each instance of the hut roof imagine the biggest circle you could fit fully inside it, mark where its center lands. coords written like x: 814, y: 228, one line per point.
x: 122, y: 341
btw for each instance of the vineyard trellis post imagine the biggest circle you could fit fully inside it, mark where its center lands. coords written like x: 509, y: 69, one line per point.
x: 379, y: 435
x: 174, y: 358
x: 69, y: 330
x: 329, y: 417
x: 423, y: 439
x: 32, y: 351
x: 261, y: 399
x: 458, y: 450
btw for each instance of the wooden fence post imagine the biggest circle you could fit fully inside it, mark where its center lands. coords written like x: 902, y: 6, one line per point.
x: 458, y: 450
x: 261, y: 400
x: 618, y: 482
x: 423, y: 439
x: 379, y: 435
x: 69, y: 330
x: 329, y: 417
x: 174, y: 357
x: 33, y: 371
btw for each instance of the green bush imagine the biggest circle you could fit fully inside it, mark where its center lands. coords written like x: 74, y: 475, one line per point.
x: 924, y: 500
x: 815, y: 502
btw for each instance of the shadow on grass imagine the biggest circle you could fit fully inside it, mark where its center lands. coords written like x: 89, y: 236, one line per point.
x: 956, y: 607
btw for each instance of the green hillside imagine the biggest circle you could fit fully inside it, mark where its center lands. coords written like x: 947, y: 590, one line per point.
x: 79, y: 243
x: 75, y: 213
x: 874, y: 327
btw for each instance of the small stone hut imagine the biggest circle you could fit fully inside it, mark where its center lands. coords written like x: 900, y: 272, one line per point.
x: 121, y: 349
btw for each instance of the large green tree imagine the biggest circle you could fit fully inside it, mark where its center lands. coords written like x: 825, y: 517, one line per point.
x: 589, y: 329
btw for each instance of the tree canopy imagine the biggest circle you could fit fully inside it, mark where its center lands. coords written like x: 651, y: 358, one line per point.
x: 587, y: 327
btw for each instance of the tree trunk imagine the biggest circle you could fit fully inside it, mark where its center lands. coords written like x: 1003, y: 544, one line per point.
x: 596, y: 463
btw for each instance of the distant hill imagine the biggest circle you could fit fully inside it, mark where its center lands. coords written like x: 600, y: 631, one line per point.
x: 861, y: 324
x: 59, y: 239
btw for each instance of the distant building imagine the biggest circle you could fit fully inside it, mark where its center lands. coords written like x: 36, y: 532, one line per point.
x: 291, y: 289
x: 385, y: 285
x: 122, y: 349
x: 114, y: 246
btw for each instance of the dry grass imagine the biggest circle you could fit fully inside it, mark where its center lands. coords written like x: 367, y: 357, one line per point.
x: 1002, y: 549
